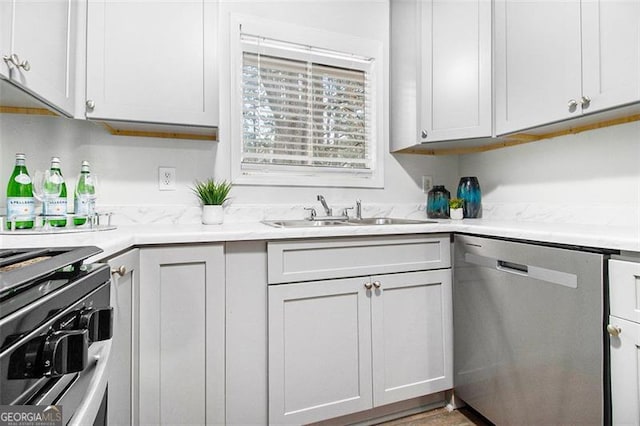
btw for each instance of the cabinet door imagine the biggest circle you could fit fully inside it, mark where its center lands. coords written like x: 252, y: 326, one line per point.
x: 319, y: 350
x: 456, y: 69
x: 624, y: 289
x: 43, y: 33
x: 625, y: 376
x: 123, y: 383
x: 182, y: 335
x: 6, y: 12
x: 537, y: 62
x: 412, y: 335
x: 610, y: 53
x: 152, y: 61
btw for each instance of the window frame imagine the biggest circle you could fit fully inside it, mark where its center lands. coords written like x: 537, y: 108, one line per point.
x: 320, y: 40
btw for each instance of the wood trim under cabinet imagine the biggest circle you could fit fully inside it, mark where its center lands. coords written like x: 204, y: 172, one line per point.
x: 522, y: 138
x: 156, y: 134
x: 28, y: 111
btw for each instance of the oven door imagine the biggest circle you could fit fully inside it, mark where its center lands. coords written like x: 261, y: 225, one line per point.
x: 83, y: 395
x: 92, y: 384
x: 64, y: 360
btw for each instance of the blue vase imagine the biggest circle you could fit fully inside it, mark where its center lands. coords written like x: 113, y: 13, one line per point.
x: 438, y: 202
x: 469, y: 191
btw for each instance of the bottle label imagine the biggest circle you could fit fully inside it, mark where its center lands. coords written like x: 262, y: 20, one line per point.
x: 55, y: 207
x: 23, y: 179
x: 82, y: 207
x: 20, y: 206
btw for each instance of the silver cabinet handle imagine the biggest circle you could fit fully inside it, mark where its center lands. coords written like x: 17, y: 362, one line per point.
x: 585, y: 101
x: 90, y: 105
x: 367, y: 286
x: 572, y: 104
x: 614, y: 330
x: 377, y: 284
x: 424, y: 134
x: 15, y: 60
x: 120, y: 271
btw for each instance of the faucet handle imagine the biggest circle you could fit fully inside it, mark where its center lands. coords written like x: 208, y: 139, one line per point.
x: 345, y: 211
x: 312, y: 213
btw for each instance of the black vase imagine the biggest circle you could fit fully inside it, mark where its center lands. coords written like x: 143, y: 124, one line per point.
x: 438, y: 202
x: 469, y: 191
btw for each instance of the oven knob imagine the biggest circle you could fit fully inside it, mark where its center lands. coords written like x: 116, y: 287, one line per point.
x: 65, y: 352
x: 99, y: 323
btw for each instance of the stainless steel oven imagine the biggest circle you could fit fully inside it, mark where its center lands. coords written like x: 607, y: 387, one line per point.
x: 55, y: 331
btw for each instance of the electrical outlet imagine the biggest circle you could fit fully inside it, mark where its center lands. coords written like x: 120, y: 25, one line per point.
x: 167, y: 178
x: 427, y: 183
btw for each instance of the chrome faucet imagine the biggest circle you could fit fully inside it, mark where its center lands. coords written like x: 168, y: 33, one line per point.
x: 358, y: 209
x: 327, y: 210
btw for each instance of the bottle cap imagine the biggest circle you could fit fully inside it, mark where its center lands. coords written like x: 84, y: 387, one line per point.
x: 20, y: 156
x: 85, y: 166
x: 55, y: 160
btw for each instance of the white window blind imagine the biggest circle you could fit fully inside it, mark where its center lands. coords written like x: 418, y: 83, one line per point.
x: 305, y: 109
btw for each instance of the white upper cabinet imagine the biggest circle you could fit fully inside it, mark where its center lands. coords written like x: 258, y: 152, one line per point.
x: 559, y: 60
x: 440, y: 71
x: 152, y: 61
x: 610, y: 53
x: 38, y: 48
x: 6, y: 10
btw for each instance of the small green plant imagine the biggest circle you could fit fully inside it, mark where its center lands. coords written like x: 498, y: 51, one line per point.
x: 211, y: 193
x: 456, y: 203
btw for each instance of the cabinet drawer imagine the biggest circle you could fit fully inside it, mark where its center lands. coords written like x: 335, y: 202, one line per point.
x: 624, y: 289
x: 291, y: 261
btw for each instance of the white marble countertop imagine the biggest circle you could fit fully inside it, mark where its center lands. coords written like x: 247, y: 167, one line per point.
x: 126, y: 236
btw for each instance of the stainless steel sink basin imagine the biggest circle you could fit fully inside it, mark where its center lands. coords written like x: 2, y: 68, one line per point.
x: 304, y: 223
x: 388, y: 221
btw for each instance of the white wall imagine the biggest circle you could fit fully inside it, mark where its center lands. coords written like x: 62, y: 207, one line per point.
x: 576, y: 178
x: 128, y: 166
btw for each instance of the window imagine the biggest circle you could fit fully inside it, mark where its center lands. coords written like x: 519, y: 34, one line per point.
x: 305, y: 114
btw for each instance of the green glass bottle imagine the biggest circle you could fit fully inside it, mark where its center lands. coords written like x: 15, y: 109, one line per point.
x: 20, y: 201
x: 83, y: 195
x: 58, y: 205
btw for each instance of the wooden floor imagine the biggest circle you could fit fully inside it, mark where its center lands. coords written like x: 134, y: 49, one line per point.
x: 441, y: 417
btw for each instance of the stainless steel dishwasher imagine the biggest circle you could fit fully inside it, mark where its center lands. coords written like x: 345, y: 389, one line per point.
x: 529, y: 332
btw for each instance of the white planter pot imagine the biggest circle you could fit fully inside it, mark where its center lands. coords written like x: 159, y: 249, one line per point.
x: 212, y: 215
x: 456, y: 213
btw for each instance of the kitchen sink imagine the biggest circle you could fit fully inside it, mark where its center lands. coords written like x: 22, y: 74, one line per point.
x: 388, y: 221
x: 305, y: 223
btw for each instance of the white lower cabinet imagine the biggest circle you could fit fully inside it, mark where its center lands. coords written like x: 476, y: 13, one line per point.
x: 625, y: 373
x: 624, y: 341
x: 412, y: 335
x: 124, y: 361
x: 345, y: 345
x: 182, y: 308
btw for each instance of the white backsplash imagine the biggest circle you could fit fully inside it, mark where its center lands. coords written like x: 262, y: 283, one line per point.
x: 578, y: 214
x: 239, y: 213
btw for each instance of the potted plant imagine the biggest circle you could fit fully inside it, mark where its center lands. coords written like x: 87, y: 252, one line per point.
x: 212, y: 195
x: 455, y: 208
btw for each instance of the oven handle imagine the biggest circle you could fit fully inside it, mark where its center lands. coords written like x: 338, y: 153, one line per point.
x: 88, y: 409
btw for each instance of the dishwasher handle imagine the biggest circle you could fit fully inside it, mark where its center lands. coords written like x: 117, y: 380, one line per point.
x: 511, y: 267
x: 553, y: 276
